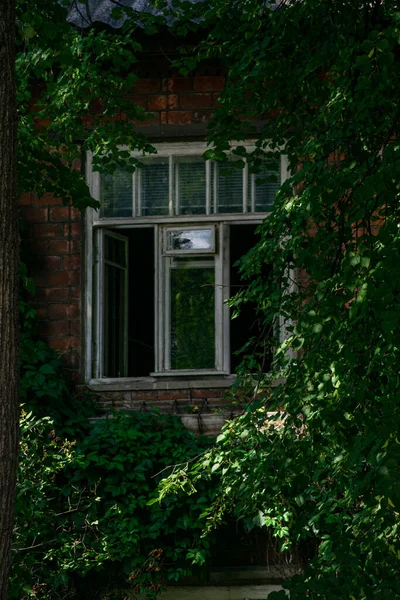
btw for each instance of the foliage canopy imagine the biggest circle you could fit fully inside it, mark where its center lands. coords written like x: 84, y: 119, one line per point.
x: 316, y: 456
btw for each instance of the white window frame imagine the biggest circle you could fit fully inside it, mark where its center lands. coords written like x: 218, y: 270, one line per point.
x: 219, y: 221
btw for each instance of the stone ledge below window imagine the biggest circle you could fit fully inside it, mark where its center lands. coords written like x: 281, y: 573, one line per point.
x: 161, y: 383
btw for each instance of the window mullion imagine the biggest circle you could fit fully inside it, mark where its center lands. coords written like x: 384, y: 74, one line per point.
x: 135, y: 209
x: 167, y: 314
x: 253, y: 193
x: 226, y: 292
x: 245, y: 186
x: 171, y: 186
x: 208, y: 187
x: 158, y: 309
x: 139, y: 193
x: 215, y: 184
x: 100, y: 304
x: 219, y: 291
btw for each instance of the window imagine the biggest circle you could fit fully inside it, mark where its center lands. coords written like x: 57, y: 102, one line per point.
x: 161, y: 255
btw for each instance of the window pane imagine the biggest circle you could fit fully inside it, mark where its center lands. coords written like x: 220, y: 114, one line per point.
x: 195, y: 239
x: 116, y: 194
x: 115, y: 250
x: 229, y: 188
x: 190, y: 181
x: 153, y: 187
x: 192, y: 318
x: 264, y: 193
x: 114, y: 321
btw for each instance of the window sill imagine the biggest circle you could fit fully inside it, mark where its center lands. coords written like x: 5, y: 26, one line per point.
x: 191, y: 373
x: 164, y: 381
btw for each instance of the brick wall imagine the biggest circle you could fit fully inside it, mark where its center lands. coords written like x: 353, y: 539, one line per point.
x: 53, y: 232
x: 178, y: 100
x: 51, y: 238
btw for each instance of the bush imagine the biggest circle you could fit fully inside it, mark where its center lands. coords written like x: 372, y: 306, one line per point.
x: 84, y: 516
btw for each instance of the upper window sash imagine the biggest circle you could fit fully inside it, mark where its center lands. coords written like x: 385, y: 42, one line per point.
x: 177, y: 182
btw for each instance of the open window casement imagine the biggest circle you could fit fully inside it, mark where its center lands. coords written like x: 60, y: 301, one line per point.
x: 112, y: 304
x: 161, y: 255
x: 192, y: 286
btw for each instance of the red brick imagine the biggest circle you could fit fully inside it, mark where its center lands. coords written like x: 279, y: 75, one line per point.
x: 157, y: 102
x: 209, y: 83
x: 75, y: 214
x: 196, y: 100
x: 52, y: 294
x: 179, y: 117
x: 173, y: 395
x: 149, y: 119
x: 177, y: 84
x: 75, y: 377
x: 52, y: 262
x: 72, y: 229
x: 144, y: 396
x: 53, y: 328
x: 161, y: 102
x: 75, y: 293
x: 75, y: 328
x: 140, y: 100
x: 164, y: 119
x: 63, y: 311
x: 39, y: 246
x: 41, y: 279
x: 25, y: 199
x: 73, y: 359
x: 207, y: 393
x: 75, y: 229
x: 216, y: 98
x: 61, y: 278
x: 48, y: 230
x: 64, y: 344
x: 72, y: 262
x: 147, y: 86
x: 58, y: 246
x: 33, y: 214
x: 202, y: 116
x: 48, y: 200
x: 41, y: 311
x: 60, y: 213
x: 173, y: 101
x: 75, y: 247
x: 76, y: 164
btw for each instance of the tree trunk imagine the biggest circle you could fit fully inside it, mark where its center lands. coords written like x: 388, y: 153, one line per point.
x: 9, y: 237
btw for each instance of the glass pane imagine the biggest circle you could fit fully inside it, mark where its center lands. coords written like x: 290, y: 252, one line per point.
x: 229, y: 188
x: 192, y: 318
x: 116, y: 194
x: 153, y: 188
x: 115, y: 250
x: 190, y: 180
x: 114, y: 322
x: 265, y: 191
x: 195, y: 239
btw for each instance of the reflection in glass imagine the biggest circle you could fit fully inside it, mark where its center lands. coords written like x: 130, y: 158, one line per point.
x: 190, y: 176
x: 115, y: 250
x: 116, y: 194
x: 153, y: 188
x: 192, y: 331
x: 195, y: 239
x: 229, y: 188
x: 264, y: 186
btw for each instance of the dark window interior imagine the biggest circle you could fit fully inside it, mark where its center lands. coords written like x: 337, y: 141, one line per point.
x: 248, y: 324
x: 141, y: 302
x: 114, y: 321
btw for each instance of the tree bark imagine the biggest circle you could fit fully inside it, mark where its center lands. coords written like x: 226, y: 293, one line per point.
x: 9, y: 326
